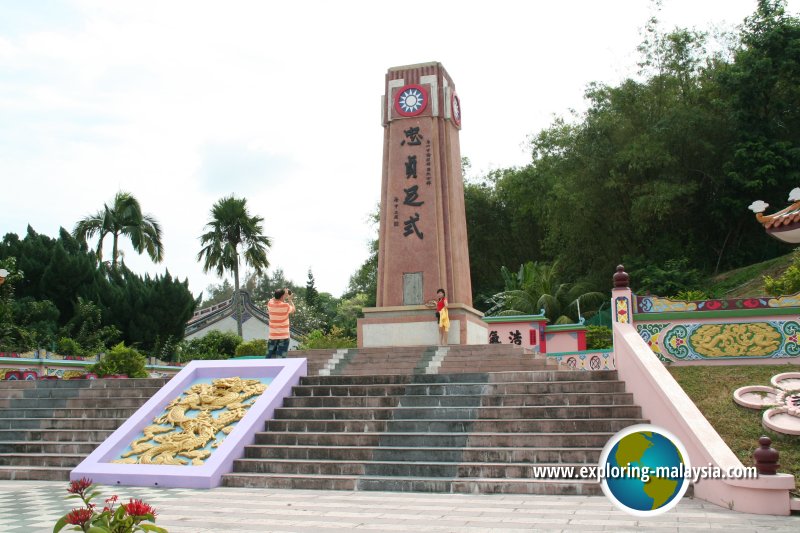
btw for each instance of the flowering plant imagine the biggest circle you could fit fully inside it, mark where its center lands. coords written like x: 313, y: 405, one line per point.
x: 127, y: 518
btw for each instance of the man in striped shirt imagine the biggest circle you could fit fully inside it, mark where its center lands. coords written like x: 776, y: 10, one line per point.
x: 279, y: 308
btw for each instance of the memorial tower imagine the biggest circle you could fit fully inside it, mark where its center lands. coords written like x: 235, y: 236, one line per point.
x: 423, y: 229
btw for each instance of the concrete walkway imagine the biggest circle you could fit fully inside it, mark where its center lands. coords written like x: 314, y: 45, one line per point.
x: 34, y: 506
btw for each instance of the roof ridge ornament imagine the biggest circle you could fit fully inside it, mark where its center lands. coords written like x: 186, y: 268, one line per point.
x: 784, y: 225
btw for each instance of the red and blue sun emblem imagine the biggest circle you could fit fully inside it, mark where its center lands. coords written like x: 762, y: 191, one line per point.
x: 411, y: 100
x: 455, y: 104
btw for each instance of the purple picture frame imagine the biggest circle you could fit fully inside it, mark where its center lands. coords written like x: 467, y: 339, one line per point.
x: 285, y: 374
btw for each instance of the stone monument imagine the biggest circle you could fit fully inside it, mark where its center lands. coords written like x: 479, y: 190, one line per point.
x: 423, y: 228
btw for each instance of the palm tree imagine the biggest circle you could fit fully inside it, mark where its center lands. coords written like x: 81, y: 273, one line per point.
x: 231, y: 226
x: 536, y: 288
x: 124, y: 217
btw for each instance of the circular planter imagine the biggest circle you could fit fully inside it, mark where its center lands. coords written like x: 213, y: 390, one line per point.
x: 755, y: 396
x: 787, y: 381
x: 779, y: 420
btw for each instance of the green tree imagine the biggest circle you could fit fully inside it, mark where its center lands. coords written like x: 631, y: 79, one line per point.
x: 536, y: 287
x: 312, y: 294
x: 306, y: 318
x: 218, y: 293
x: 365, y: 279
x: 7, y: 326
x: 349, y: 311
x: 124, y: 217
x: 86, y: 328
x: 147, y: 311
x: 37, y: 323
x: 231, y: 227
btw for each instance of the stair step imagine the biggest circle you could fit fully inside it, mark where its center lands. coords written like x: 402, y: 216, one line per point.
x: 401, y: 468
x: 457, y: 426
x: 60, y: 423
x: 457, y: 413
x: 502, y: 377
x: 41, y: 460
x: 423, y: 389
x: 420, y: 453
x: 34, y: 473
x: 47, y: 447
x: 74, y: 403
x: 67, y: 412
x: 82, y: 393
x: 453, y: 400
x: 413, y: 484
x: 425, y: 439
x: 55, y: 435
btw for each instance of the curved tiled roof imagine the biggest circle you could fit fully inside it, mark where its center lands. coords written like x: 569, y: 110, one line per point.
x: 784, y: 217
x: 210, y: 315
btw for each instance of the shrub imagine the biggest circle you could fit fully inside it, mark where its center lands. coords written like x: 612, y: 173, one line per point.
x: 68, y: 346
x: 674, y: 276
x: 213, y: 345
x: 788, y: 282
x: 123, y: 361
x: 599, y: 338
x: 690, y: 296
x: 333, y: 339
x: 253, y: 347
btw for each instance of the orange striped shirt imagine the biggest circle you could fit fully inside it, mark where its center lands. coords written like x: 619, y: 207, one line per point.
x: 279, y: 318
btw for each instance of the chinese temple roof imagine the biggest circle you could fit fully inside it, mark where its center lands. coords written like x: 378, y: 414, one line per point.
x: 783, y: 225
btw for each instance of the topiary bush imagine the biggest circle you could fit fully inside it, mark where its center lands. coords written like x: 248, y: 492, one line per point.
x: 121, y: 360
x: 253, y: 347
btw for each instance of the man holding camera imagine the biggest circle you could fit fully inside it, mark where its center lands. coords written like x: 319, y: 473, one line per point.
x: 279, y: 308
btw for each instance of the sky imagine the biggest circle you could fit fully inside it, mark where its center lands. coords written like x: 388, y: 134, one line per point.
x: 184, y: 102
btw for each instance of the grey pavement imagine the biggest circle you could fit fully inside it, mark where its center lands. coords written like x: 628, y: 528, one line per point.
x: 34, y: 506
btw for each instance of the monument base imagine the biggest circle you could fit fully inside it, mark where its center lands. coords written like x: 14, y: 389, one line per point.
x: 415, y: 325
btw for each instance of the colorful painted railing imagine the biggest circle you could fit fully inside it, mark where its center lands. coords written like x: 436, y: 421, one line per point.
x: 39, y: 365
x: 740, y: 331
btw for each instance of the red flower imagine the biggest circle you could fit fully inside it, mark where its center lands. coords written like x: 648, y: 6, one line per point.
x: 78, y: 517
x: 751, y: 303
x: 112, y: 499
x: 79, y: 486
x: 139, y: 508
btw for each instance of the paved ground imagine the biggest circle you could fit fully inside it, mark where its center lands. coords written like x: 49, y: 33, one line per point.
x: 34, y: 506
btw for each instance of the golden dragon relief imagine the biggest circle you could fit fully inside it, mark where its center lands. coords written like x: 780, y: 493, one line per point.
x: 175, y: 438
x: 754, y: 339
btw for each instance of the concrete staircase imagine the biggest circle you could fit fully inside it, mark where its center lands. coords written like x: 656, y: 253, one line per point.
x: 458, y: 432
x: 406, y: 360
x: 48, y: 427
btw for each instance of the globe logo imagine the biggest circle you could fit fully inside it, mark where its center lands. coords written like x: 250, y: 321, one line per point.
x: 644, y: 470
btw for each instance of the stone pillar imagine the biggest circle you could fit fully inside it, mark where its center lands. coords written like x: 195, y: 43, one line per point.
x: 622, y: 297
x: 423, y: 228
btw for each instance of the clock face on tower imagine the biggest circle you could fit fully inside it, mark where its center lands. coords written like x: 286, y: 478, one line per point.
x: 411, y: 100
x: 455, y: 103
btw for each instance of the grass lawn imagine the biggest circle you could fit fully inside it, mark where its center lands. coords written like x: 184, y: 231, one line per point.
x: 711, y: 388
